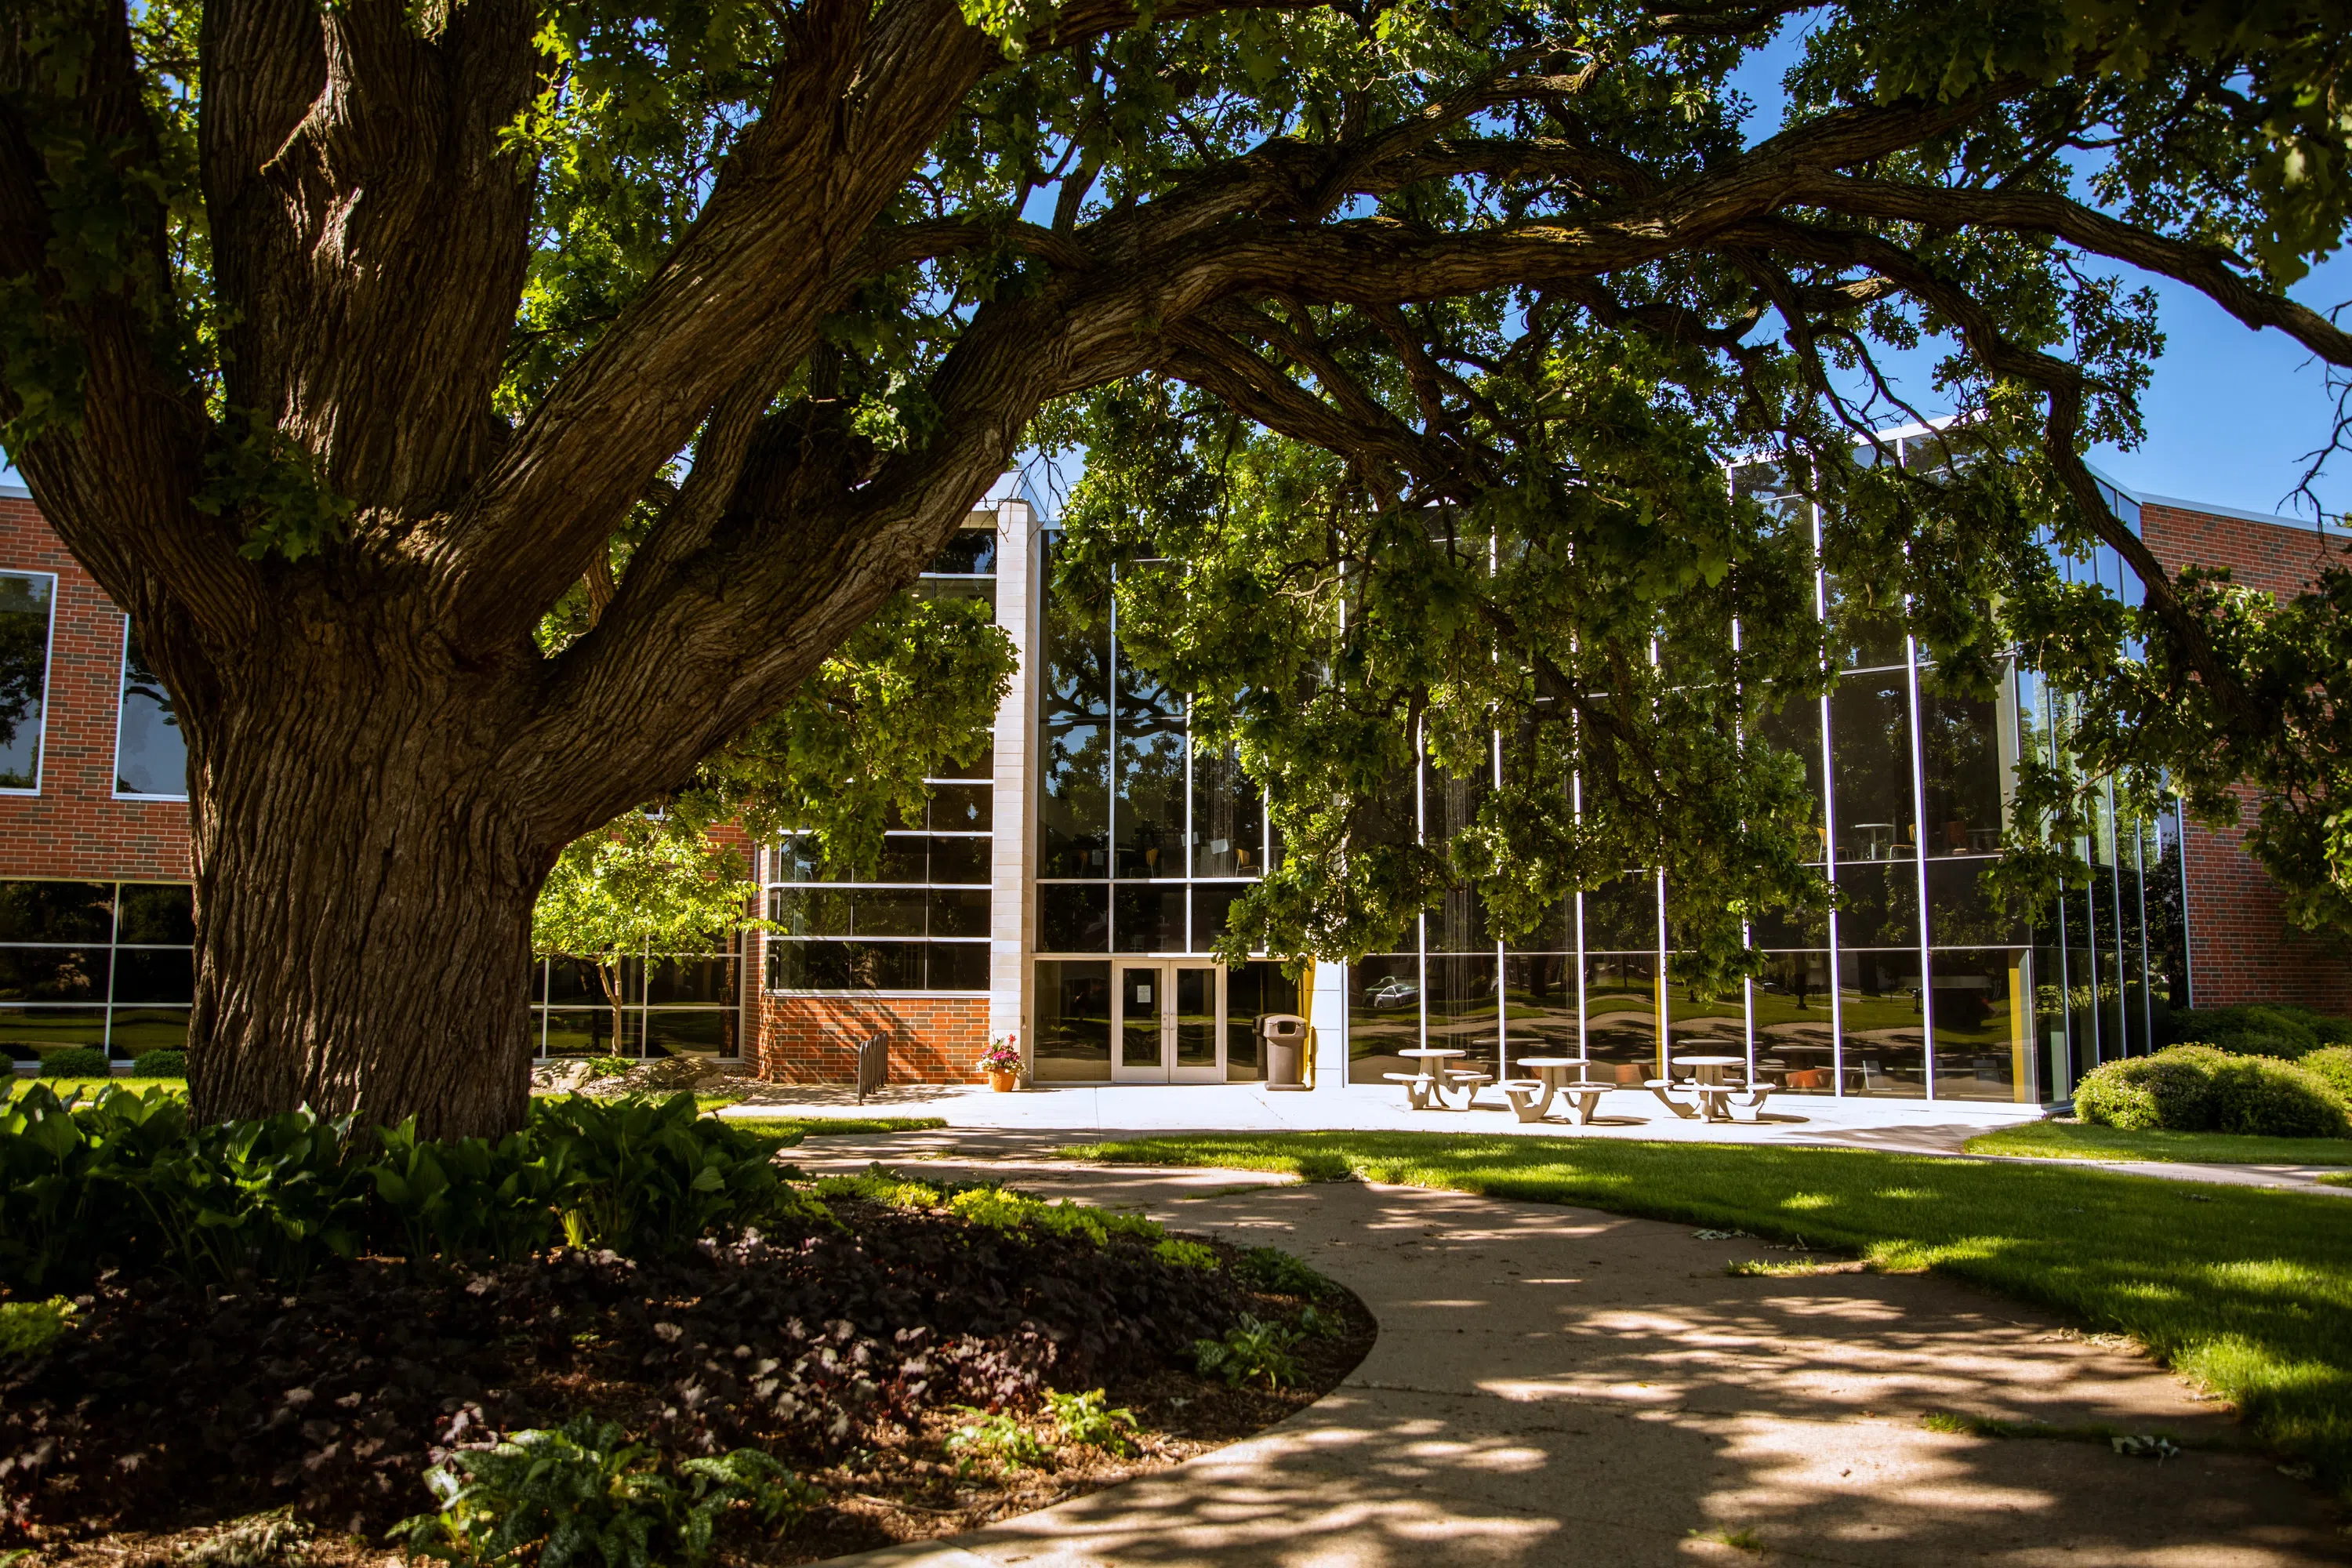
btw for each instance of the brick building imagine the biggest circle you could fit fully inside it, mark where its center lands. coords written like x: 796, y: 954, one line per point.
x: 2242, y: 948
x: 1068, y: 889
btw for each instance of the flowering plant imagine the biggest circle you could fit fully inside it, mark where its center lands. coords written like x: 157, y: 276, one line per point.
x: 1002, y: 1056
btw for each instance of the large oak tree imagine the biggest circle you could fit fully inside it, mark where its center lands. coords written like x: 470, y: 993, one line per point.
x: 342, y: 342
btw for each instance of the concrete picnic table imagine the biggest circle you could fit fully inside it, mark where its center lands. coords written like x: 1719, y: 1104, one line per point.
x: 1716, y: 1096
x: 1532, y: 1098
x: 1435, y: 1077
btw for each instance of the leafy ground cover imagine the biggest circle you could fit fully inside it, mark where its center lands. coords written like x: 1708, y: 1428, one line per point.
x: 2084, y: 1140
x: 2247, y: 1290
x: 852, y: 1337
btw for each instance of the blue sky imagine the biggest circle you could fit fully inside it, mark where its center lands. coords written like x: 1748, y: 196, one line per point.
x: 2230, y: 414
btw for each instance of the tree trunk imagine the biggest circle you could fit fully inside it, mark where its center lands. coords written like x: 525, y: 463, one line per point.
x: 365, y: 876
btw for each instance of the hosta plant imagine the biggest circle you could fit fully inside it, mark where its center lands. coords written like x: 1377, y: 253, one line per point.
x: 1252, y: 1352
x: 585, y: 1495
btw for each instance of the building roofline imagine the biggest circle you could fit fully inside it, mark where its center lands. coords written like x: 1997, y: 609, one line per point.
x: 15, y: 492
x: 2213, y: 509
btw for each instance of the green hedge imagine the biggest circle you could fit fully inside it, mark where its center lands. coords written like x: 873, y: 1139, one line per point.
x: 76, y: 1061
x: 2278, y: 1029
x: 2202, y: 1088
x: 160, y: 1064
x: 2333, y: 1063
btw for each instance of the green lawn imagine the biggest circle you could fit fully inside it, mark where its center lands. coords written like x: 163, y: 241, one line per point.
x: 787, y: 1131
x: 2246, y: 1289
x: 2081, y: 1140
x: 67, y: 1086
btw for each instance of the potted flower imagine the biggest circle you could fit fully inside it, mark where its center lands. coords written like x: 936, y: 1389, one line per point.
x: 1002, y: 1063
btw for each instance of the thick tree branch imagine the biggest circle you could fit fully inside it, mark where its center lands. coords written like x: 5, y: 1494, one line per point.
x: 2207, y: 269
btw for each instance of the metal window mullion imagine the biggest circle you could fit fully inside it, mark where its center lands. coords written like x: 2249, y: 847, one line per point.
x: 1919, y: 855
x: 1828, y: 819
x: 1420, y: 839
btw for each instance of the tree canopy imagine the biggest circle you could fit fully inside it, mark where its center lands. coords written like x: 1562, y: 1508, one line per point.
x: 343, y: 343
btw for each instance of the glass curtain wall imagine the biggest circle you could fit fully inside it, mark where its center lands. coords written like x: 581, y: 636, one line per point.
x: 1145, y: 837
x: 917, y: 921
x: 1915, y: 985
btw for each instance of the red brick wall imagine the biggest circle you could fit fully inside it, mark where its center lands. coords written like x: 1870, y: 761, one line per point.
x: 2241, y: 947
x: 813, y: 1039
x: 74, y: 828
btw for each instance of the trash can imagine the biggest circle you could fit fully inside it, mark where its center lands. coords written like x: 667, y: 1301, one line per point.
x: 1285, y: 1049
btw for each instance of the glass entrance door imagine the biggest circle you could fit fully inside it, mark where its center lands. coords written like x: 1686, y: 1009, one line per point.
x: 1172, y: 1022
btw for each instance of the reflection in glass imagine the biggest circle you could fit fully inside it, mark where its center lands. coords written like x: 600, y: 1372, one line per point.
x: 1252, y: 991
x: 25, y: 601
x: 1140, y: 1004
x: 1073, y: 917
x: 1149, y: 919
x: 1981, y: 1047
x: 1795, y: 1043
x: 58, y: 911
x: 1196, y: 1016
x: 29, y: 1034
x: 1870, y: 745
x: 1228, y: 819
x: 1796, y: 728
x: 151, y: 754
x: 1883, y: 1023
x: 691, y: 1032
x: 1701, y: 1021
x: 1878, y: 905
x: 1539, y: 1003
x: 1148, y: 808
x: 62, y: 974
x: 1072, y: 1040
x: 1383, y: 1015
x: 157, y: 912
x: 1621, y: 1014
x: 1463, y: 1008
x: 1622, y: 915
x: 1074, y: 739
x: 1960, y: 748
x: 1866, y: 626
x: 1961, y: 908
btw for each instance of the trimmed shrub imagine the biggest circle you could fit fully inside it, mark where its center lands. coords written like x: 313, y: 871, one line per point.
x: 2272, y: 1099
x: 2201, y: 1089
x: 2332, y: 1064
x: 76, y: 1061
x: 2172, y: 1090
x: 160, y: 1064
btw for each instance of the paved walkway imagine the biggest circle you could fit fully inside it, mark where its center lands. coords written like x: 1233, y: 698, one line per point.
x: 1075, y: 1112
x: 1554, y: 1386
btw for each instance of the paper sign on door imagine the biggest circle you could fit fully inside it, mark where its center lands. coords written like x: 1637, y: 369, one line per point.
x: 1143, y: 996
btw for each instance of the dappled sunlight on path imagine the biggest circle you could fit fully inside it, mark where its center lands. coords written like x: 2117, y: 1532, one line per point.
x: 1555, y: 1386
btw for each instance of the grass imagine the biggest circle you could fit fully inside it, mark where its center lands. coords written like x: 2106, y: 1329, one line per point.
x: 67, y: 1086
x: 2081, y: 1140
x: 784, y: 1131
x: 2245, y: 1289
x: 2335, y: 1179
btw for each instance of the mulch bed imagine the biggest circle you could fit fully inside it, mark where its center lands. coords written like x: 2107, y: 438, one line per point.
x: 171, y: 1411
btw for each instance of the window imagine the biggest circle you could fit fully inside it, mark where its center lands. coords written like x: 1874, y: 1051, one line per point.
x: 151, y: 755
x: 918, y: 922
x: 27, y: 601
x: 918, y: 919
x: 674, y: 1005
x: 108, y: 964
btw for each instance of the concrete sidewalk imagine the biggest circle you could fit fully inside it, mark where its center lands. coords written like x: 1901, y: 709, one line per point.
x: 1554, y: 1386
x: 1078, y: 1113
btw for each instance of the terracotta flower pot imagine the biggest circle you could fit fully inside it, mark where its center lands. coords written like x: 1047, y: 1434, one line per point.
x: 1002, y: 1082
